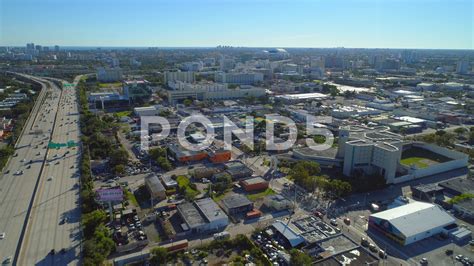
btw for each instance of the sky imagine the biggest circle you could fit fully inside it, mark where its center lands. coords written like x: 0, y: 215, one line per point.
x: 437, y: 24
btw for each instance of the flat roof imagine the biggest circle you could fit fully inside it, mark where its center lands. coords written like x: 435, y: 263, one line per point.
x: 191, y: 214
x: 235, y: 201
x: 293, y: 238
x: 302, y: 96
x: 254, y: 180
x: 154, y: 183
x: 462, y: 185
x: 415, y: 217
x: 210, y: 210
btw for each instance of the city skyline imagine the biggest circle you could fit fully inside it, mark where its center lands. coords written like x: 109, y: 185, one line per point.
x: 300, y: 24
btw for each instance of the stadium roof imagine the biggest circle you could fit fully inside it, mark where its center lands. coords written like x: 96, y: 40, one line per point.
x: 416, y: 217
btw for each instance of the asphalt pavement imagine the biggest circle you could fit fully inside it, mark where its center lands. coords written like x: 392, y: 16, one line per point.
x: 19, y: 178
x: 54, y: 223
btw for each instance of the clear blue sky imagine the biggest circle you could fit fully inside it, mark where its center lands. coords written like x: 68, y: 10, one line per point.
x: 263, y: 23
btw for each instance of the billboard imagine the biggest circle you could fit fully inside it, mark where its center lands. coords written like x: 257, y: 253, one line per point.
x: 110, y: 194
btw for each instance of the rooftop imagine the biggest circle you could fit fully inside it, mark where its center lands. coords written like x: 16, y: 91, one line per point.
x: 235, y: 201
x: 254, y: 180
x: 461, y: 185
x: 191, y: 214
x: 415, y: 217
x: 293, y: 238
x: 154, y: 183
x: 210, y: 210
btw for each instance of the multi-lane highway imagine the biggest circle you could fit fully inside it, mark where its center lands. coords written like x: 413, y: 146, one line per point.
x: 39, y: 199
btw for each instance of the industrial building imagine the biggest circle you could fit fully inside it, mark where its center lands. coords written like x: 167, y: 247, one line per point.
x: 254, y: 184
x: 202, y: 215
x: 236, y: 203
x: 214, y: 154
x: 155, y: 188
x: 412, y: 222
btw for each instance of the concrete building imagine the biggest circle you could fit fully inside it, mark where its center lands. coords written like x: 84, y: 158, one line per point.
x: 412, y: 222
x: 214, y: 93
x: 238, y: 78
x: 186, y: 76
x: 137, y: 89
x: 155, y: 188
x: 462, y: 67
x: 465, y: 208
x: 109, y: 74
x: 369, y: 151
x: 226, y: 64
x: 202, y: 215
x: 236, y: 204
x: 254, y: 184
x: 301, y: 97
x: 277, y: 202
x: 148, y: 110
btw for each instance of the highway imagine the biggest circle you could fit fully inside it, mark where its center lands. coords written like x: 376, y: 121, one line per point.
x: 22, y: 192
x: 17, y: 182
x: 54, y: 223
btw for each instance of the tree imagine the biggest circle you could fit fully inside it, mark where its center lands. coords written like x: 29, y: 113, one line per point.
x: 159, y: 256
x: 119, y: 169
x: 188, y: 102
x: 460, y: 131
x: 118, y: 156
x: 92, y: 220
x: 299, y: 258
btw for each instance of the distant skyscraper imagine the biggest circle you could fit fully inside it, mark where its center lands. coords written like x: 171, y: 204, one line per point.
x: 30, y: 49
x: 30, y: 46
x: 462, y: 67
x: 56, y: 48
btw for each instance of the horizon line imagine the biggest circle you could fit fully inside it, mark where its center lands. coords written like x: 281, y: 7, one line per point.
x: 242, y: 47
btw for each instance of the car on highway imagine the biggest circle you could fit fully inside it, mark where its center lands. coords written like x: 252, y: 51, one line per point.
x: 50, y: 178
x: 20, y: 172
x: 52, y: 252
x: 2, y: 235
x: 7, y: 260
x: 372, y: 248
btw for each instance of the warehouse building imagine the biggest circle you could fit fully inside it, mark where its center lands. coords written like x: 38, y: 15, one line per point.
x: 202, y: 215
x: 236, y: 203
x: 254, y: 184
x: 412, y: 222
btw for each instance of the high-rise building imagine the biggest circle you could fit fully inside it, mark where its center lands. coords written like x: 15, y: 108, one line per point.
x: 56, y: 48
x: 238, y: 78
x: 226, y: 64
x: 462, y: 67
x: 109, y: 74
x: 187, y: 76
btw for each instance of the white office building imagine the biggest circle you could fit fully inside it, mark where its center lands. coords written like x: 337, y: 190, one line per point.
x: 187, y: 76
x: 238, y: 78
x: 109, y: 74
